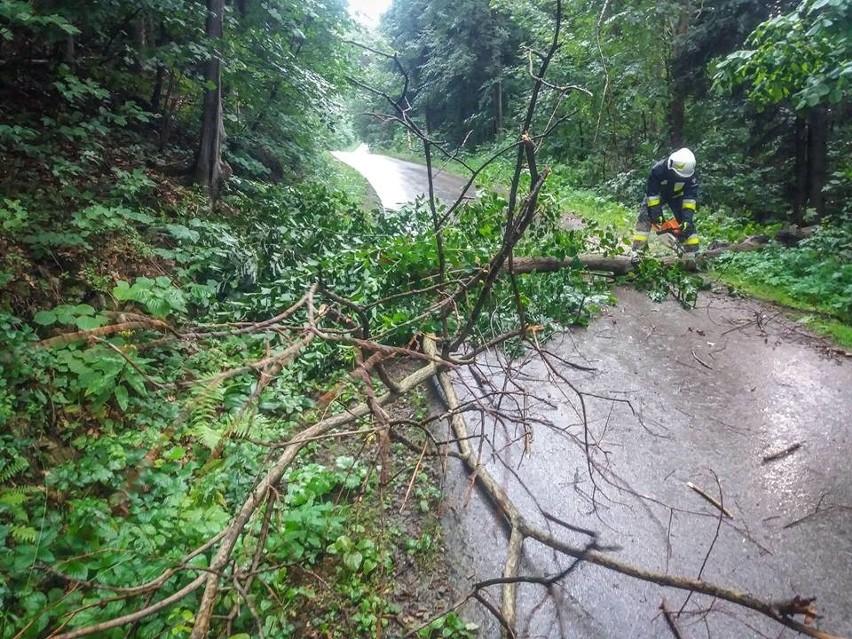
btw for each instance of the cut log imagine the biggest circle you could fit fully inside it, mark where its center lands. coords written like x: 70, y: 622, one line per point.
x: 794, y: 234
x: 618, y: 264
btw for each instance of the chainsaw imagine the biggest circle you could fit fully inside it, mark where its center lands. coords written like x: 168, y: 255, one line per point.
x: 669, y: 232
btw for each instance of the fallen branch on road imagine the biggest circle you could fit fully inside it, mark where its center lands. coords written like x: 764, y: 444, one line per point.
x: 782, y: 453
x: 520, y: 529
x: 710, y: 499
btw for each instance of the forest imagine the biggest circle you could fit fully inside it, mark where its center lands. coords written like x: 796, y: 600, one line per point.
x: 231, y: 383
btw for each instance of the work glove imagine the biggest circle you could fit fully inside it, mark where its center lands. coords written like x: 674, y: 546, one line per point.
x: 655, y: 214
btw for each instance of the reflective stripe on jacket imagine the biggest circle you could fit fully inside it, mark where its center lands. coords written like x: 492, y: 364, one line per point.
x: 665, y: 186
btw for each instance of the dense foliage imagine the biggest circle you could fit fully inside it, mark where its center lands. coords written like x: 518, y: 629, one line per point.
x: 631, y: 82
x: 129, y: 445
x: 106, y: 64
x: 132, y: 329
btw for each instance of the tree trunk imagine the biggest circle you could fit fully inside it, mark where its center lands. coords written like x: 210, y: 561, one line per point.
x: 157, y: 91
x: 169, y: 107
x: 208, y: 163
x: 498, y: 99
x: 677, y: 108
x: 817, y: 158
x: 69, y: 51
x: 139, y: 33
x: 800, y: 187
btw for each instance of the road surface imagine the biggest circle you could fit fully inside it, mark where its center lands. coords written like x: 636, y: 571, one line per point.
x: 397, y: 182
x: 714, y: 390
x: 675, y: 396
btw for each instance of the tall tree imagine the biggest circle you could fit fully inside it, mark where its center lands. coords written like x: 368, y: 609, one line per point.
x: 804, y: 59
x: 457, y: 53
x: 286, y: 68
x: 208, y: 162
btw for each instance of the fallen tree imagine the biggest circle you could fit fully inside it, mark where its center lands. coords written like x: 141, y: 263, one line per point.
x: 335, y: 320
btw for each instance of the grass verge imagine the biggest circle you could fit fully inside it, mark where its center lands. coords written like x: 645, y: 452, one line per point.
x: 801, y: 312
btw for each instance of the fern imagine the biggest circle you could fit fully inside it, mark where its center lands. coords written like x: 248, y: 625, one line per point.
x: 205, y: 423
x: 207, y: 435
x: 23, y: 534
x: 249, y: 423
x: 14, y: 497
x: 11, y: 468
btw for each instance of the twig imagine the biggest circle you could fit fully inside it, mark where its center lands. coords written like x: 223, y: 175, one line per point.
x: 670, y: 620
x: 712, y: 543
x: 736, y: 328
x: 782, y: 453
x: 817, y: 509
x: 712, y: 500
x: 139, y: 614
x: 414, y: 475
x: 133, y: 364
x: 704, y: 364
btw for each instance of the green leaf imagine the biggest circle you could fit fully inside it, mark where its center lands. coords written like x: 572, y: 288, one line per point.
x: 88, y: 323
x: 352, y: 560
x: 175, y: 454
x: 122, y: 397
x: 75, y: 570
x: 70, y: 29
x: 45, y: 318
x: 135, y: 381
x: 121, y: 291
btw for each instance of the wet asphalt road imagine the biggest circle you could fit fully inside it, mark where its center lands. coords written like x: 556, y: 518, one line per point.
x: 762, y: 390
x: 675, y: 396
x: 398, y: 182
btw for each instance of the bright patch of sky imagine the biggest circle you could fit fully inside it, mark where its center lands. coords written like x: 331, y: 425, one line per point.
x: 367, y: 12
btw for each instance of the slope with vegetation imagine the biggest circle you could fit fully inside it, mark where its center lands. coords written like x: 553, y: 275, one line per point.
x: 177, y: 284
x: 143, y: 385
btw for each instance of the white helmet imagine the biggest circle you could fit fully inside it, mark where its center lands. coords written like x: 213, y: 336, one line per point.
x: 682, y: 162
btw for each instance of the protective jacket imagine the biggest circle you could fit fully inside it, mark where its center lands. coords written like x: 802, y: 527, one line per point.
x: 680, y: 193
x: 667, y: 187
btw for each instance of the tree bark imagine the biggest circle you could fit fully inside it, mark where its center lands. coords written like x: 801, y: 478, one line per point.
x: 169, y: 107
x: 621, y: 264
x: 208, y: 163
x: 677, y: 107
x: 800, y: 186
x: 817, y: 158
x: 69, y: 51
x: 498, y: 99
x: 157, y: 91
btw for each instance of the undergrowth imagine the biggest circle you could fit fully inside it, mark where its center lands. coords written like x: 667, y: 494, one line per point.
x: 814, y: 277
x: 123, y: 448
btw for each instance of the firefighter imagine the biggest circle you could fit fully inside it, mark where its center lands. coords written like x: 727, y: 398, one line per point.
x: 672, y: 181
